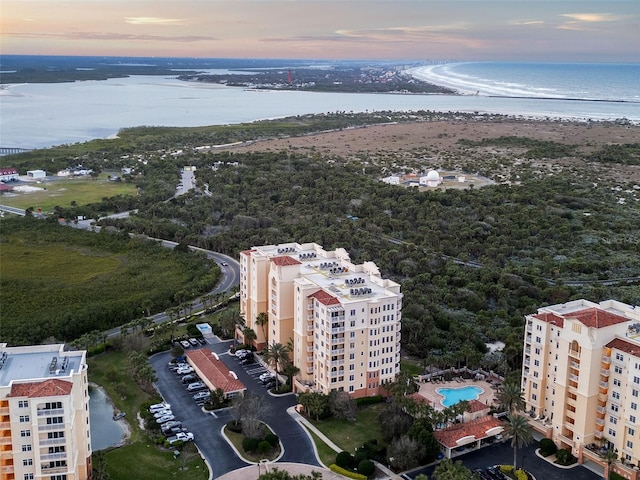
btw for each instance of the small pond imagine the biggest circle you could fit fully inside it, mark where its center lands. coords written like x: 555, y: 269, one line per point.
x: 105, y: 431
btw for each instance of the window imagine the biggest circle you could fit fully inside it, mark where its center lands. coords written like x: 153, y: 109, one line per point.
x: 634, y: 406
x: 629, y: 444
x: 28, y: 476
x: 612, y: 432
x: 614, y: 407
x: 538, y: 340
x: 25, y: 433
x: 534, y: 397
x: 534, y: 385
x: 23, y: 403
x: 616, y: 382
x: 631, y: 431
x: 26, y: 447
x: 27, y: 462
x: 634, y: 393
x: 613, y: 420
x: 620, y: 357
x: 537, y: 351
x: 24, y: 419
x: 616, y: 395
x: 618, y: 369
x: 632, y: 418
x: 536, y: 363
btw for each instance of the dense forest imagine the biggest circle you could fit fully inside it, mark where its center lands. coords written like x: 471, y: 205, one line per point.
x: 471, y: 261
x: 60, y: 282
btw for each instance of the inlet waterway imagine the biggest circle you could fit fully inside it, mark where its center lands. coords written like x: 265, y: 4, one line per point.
x: 105, y: 431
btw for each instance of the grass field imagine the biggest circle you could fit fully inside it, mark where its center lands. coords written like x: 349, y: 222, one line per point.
x: 62, y: 192
x: 349, y: 435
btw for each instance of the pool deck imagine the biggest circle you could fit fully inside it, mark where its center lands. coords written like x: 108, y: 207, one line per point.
x: 428, y: 391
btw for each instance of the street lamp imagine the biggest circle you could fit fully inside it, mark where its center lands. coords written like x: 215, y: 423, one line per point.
x: 523, y: 457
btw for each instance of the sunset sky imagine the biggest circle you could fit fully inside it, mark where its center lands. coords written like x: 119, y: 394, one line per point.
x: 510, y: 30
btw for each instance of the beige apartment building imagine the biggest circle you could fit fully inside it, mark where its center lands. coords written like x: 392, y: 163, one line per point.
x: 44, y: 414
x: 581, y: 379
x: 342, y: 319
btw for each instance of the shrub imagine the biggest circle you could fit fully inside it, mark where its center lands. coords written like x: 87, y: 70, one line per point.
x: 357, y: 476
x: 521, y: 475
x: 506, y: 468
x: 264, y: 446
x: 547, y: 447
x: 360, y: 456
x: 366, y: 467
x: 250, y: 444
x: 272, y: 438
x: 361, y: 402
x: 345, y: 460
x: 615, y: 476
x: 564, y: 457
x: 235, y: 427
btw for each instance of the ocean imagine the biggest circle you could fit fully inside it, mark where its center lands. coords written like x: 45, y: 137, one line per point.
x: 570, y: 81
x: 44, y: 115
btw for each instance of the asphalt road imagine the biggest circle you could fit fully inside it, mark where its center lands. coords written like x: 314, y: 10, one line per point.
x: 502, y: 454
x: 206, y: 427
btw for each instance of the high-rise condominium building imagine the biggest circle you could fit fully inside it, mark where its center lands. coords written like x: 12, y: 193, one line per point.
x: 44, y: 414
x: 342, y: 319
x: 581, y: 377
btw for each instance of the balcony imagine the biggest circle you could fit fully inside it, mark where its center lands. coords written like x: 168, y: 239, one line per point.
x: 52, y: 441
x: 47, y: 470
x: 527, y: 362
x: 309, y: 359
x: 337, y: 341
x: 574, y: 353
x: 337, y: 351
x: 606, y: 360
x: 54, y: 456
x: 54, y: 426
x: 337, y: 330
x: 310, y: 348
x: 603, y: 384
x: 574, y: 365
x: 309, y: 328
x: 602, y: 410
x: 529, y: 328
x: 604, y: 372
x: 5, y: 440
x: 7, y: 469
x: 600, y: 421
x: 4, y: 411
x: 602, y: 397
x: 309, y: 370
x: 335, y: 363
x: 527, y: 351
x: 574, y: 378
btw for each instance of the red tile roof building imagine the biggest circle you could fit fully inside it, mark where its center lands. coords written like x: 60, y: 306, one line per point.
x: 214, y: 373
x: 581, y: 375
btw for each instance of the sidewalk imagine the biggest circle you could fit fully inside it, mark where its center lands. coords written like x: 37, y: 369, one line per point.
x: 309, y: 426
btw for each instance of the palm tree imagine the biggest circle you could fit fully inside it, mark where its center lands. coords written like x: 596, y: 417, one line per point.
x: 276, y: 355
x: 249, y: 336
x: 261, y: 320
x: 610, y: 456
x: 511, y: 397
x: 517, y: 428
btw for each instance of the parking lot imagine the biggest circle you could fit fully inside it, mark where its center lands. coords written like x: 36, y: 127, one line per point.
x: 207, y: 426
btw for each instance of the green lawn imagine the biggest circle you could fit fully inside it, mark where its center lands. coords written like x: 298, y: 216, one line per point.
x: 325, y: 452
x: 349, y: 435
x: 61, y: 193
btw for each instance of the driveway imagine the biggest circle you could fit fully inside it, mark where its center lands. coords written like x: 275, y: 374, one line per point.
x: 206, y: 427
x: 502, y: 453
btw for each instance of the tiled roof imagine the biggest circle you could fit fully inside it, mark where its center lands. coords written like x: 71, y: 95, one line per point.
x: 285, y: 261
x: 631, y: 348
x: 477, y: 406
x: 8, y: 171
x: 418, y: 398
x: 550, y: 317
x: 215, y: 372
x: 475, y: 428
x: 325, y: 298
x: 594, y: 317
x: 53, y: 387
x: 247, y: 252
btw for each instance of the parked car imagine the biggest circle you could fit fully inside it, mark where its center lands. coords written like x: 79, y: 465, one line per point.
x: 190, y: 378
x: 269, y: 383
x: 194, y: 342
x: 248, y: 360
x: 185, y: 344
x: 159, y: 406
x: 184, y: 370
x: 242, y: 353
x: 202, y: 396
x: 165, y: 419
x: 171, y: 424
x: 266, y: 376
x: 170, y: 432
x: 181, y: 437
x: 194, y: 387
x: 162, y: 413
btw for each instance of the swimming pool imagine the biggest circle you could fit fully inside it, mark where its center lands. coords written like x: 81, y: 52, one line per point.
x: 455, y: 395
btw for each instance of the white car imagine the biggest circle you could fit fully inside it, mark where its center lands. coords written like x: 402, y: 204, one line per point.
x: 201, y: 396
x: 267, y: 376
x: 165, y: 418
x: 185, y: 370
x: 195, y: 386
x: 159, y: 406
x: 185, y: 344
x: 181, y: 437
x: 162, y: 413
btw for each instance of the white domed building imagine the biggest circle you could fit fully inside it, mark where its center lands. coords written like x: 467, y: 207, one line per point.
x: 431, y: 179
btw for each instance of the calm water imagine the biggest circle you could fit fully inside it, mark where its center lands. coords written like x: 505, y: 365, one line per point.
x: 105, y: 432
x: 455, y: 395
x: 42, y: 115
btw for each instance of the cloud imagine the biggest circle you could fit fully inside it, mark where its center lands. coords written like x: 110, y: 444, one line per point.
x: 153, y: 21
x: 593, y: 17
x: 109, y: 36
x: 526, y: 22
